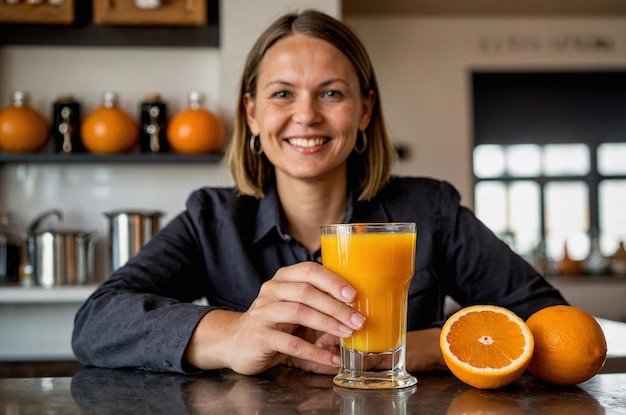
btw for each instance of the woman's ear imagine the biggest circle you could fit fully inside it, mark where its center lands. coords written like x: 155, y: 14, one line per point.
x: 368, y: 106
x: 249, y: 105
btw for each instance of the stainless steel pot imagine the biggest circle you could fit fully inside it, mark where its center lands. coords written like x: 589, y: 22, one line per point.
x: 60, y: 256
x: 129, y: 230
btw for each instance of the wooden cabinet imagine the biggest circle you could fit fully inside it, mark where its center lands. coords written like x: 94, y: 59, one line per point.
x: 82, y: 31
x: 45, y: 13
x: 172, y: 13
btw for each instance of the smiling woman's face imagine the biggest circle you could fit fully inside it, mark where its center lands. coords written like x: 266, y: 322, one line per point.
x: 308, y: 108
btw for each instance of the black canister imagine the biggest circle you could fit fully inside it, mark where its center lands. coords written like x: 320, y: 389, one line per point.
x: 66, y: 125
x: 152, y: 138
x: 11, y: 247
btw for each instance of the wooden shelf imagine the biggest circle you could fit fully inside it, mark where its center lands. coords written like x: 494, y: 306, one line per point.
x: 93, y: 35
x: 87, y: 158
x: 83, y: 32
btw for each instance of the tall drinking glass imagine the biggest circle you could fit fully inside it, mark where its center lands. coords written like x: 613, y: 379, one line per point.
x: 378, y: 260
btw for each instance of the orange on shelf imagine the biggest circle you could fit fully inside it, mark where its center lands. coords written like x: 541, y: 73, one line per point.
x: 109, y: 129
x: 195, y: 130
x: 22, y: 128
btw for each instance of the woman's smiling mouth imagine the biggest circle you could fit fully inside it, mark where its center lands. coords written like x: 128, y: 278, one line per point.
x: 308, y: 142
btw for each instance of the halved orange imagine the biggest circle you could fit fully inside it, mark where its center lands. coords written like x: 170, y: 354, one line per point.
x: 486, y: 346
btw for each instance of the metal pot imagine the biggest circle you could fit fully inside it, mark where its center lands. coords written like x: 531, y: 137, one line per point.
x: 60, y: 257
x: 129, y: 230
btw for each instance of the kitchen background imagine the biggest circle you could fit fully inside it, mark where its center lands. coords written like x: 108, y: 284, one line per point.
x: 424, y: 59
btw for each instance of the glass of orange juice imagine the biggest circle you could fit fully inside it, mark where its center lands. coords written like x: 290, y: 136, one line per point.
x: 378, y: 260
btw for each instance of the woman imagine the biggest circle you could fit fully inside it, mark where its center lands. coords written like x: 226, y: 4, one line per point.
x: 310, y: 148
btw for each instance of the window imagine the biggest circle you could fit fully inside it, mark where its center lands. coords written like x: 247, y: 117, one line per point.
x: 549, y: 159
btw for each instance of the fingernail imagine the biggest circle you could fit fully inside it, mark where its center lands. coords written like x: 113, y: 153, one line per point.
x: 358, y: 320
x: 346, y: 330
x: 348, y: 293
x: 336, y: 360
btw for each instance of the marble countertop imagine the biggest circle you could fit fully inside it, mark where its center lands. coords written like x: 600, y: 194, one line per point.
x: 288, y: 391
x: 615, y: 333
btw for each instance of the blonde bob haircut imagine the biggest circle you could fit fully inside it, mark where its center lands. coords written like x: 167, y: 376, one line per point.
x: 370, y: 168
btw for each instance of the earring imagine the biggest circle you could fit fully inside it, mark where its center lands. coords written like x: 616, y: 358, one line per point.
x: 363, y: 147
x: 255, y: 145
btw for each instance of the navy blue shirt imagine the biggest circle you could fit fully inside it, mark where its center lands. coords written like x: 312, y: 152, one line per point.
x: 224, y: 246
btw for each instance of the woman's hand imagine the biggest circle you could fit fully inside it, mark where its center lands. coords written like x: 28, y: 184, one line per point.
x: 325, y: 341
x: 302, y: 295
x: 423, y: 353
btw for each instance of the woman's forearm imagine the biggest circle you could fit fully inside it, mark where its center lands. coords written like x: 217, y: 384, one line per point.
x: 423, y: 353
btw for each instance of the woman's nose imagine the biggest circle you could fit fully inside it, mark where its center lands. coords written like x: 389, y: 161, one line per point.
x: 306, y: 111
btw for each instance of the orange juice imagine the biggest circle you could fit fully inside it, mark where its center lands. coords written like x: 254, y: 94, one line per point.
x: 380, y: 267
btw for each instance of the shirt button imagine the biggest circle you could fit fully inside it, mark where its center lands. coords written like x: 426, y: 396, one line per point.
x: 167, y: 364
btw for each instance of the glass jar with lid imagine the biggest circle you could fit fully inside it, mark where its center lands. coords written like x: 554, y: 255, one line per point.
x: 109, y: 129
x: 22, y: 128
x: 196, y: 130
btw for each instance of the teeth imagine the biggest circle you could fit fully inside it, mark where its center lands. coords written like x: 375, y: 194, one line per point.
x: 306, y: 142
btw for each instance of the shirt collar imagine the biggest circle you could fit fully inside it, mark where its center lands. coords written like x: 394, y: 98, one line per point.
x: 269, y: 213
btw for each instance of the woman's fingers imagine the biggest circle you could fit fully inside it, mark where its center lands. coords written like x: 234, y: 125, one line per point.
x: 318, y: 297
x: 298, y: 348
x: 327, y: 341
x: 319, y: 277
x: 292, y: 313
x: 313, y: 308
x: 322, y: 340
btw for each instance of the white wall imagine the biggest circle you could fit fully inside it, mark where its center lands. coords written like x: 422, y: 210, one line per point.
x: 251, y: 18
x: 424, y: 67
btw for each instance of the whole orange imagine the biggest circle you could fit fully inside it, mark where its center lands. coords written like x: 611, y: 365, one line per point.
x: 195, y: 130
x: 570, y: 346
x: 22, y: 130
x: 109, y: 131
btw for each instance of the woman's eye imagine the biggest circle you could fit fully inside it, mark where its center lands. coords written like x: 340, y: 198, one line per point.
x: 331, y: 93
x: 281, y: 94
